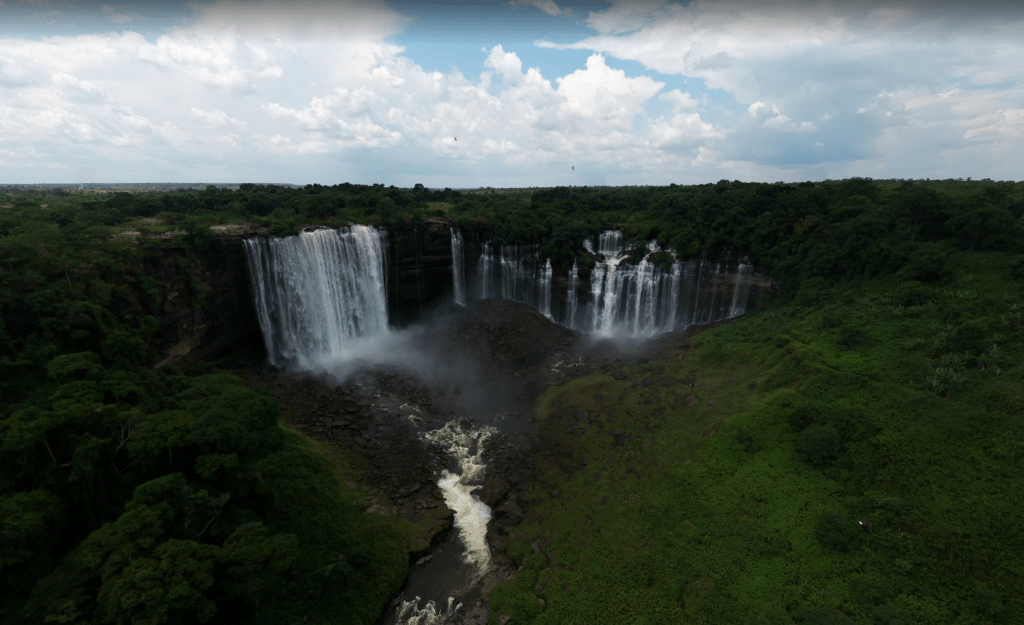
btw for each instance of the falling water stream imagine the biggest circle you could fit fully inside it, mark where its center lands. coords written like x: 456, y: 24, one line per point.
x: 458, y: 268
x: 657, y: 294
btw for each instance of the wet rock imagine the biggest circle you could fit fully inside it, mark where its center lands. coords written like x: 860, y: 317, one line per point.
x: 495, y: 488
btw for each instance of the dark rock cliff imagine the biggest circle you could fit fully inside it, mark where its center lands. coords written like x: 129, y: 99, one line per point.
x: 420, y: 268
x: 204, y: 304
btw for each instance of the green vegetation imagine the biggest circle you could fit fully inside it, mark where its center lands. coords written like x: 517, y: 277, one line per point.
x: 747, y: 510
x: 888, y: 388
x: 134, y: 495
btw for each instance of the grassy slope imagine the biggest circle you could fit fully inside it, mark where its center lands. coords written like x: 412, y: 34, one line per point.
x: 719, y: 522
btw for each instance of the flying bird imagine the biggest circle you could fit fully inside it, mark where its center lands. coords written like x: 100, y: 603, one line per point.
x: 456, y: 138
x: 574, y: 168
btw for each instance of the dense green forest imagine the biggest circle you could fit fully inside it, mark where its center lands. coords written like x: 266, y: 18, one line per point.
x: 889, y: 363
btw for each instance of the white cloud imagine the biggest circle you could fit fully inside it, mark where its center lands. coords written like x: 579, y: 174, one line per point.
x: 219, y: 118
x: 268, y: 89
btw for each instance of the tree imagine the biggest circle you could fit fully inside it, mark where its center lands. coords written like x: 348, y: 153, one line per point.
x: 978, y: 224
x: 164, y: 587
x: 819, y: 445
x: 837, y: 533
x: 387, y: 211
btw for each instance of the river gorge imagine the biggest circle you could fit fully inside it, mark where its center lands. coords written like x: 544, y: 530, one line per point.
x: 423, y: 350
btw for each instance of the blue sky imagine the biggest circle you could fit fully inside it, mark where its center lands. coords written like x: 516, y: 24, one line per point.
x: 633, y: 92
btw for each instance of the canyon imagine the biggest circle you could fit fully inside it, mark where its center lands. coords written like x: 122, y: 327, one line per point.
x: 422, y: 349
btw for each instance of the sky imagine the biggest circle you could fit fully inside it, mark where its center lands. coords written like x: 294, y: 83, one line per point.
x: 516, y: 93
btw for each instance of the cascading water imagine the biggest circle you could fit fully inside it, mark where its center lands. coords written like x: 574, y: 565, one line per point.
x: 471, y: 517
x: 656, y: 294
x: 318, y: 291
x: 741, y: 291
x: 516, y: 274
x: 458, y: 269
x: 572, y: 297
x: 545, y: 290
x: 640, y: 299
x: 484, y: 270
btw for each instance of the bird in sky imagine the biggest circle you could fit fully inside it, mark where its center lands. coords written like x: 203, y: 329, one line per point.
x: 456, y: 138
x: 574, y: 168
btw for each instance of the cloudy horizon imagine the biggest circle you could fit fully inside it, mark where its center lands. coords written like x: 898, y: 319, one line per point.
x: 508, y: 94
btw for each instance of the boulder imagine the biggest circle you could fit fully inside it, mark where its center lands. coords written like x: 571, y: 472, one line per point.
x: 494, y: 490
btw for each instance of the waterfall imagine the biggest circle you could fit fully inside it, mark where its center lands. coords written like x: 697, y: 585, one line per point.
x: 484, y: 269
x: 316, y: 292
x: 741, y: 291
x: 660, y: 293
x: 610, y: 243
x: 572, y: 298
x: 515, y: 274
x: 545, y: 290
x: 638, y: 300
x: 458, y: 270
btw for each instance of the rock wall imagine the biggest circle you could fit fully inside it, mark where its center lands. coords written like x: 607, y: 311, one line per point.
x: 205, y: 308
x: 202, y: 303
x: 420, y: 268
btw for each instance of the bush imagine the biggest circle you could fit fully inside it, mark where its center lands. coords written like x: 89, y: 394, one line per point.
x: 819, y: 445
x: 199, y: 235
x: 927, y: 263
x: 812, y: 291
x: 821, y: 616
x: 837, y: 533
x: 912, y: 293
x: 1017, y: 267
x: 849, y: 335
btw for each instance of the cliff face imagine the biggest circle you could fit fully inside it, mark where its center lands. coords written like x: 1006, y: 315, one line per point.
x: 419, y: 268
x: 204, y: 303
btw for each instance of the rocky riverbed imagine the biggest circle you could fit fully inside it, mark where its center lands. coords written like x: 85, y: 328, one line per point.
x: 491, y: 363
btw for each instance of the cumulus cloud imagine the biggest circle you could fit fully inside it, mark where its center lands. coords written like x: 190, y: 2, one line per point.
x: 270, y: 86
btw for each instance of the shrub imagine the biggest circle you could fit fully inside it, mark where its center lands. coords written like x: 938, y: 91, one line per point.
x: 819, y: 445
x: 837, y: 533
x: 1017, y: 267
x: 849, y: 335
x: 927, y: 263
x: 912, y: 293
x: 821, y: 616
x: 812, y: 291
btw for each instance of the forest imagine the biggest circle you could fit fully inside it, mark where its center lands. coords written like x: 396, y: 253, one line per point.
x: 888, y: 364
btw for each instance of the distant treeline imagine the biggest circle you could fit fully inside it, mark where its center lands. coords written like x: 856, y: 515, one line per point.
x: 831, y: 229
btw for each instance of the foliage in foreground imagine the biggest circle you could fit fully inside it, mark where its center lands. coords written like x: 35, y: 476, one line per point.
x: 134, y: 495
